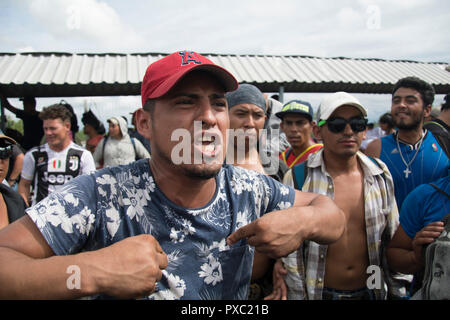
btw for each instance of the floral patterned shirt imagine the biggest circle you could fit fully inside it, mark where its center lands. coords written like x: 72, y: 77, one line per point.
x: 94, y: 211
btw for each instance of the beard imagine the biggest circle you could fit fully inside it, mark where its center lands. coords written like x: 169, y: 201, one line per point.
x: 201, y: 172
x: 414, y: 124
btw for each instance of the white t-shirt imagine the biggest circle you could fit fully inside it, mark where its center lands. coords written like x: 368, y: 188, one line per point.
x: 54, y: 169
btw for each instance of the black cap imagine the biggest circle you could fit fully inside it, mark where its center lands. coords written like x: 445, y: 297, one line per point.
x: 296, y: 107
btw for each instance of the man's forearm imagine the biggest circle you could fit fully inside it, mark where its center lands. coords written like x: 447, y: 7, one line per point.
x: 278, y: 233
x: 403, y: 260
x: 24, y: 190
x: 326, y: 220
x: 7, y: 105
x: 57, y: 277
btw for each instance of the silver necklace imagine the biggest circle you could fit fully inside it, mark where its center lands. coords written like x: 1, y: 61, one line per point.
x: 408, y: 164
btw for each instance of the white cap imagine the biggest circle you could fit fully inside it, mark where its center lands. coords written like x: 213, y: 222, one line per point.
x: 113, y: 120
x: 333, y: 101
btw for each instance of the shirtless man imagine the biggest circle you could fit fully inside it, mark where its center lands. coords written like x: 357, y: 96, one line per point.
x: 363, y: 189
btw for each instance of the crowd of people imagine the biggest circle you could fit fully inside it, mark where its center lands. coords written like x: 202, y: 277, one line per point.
x: 271, y: 201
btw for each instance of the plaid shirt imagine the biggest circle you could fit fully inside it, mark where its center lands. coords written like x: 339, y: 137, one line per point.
x: 306, y: 281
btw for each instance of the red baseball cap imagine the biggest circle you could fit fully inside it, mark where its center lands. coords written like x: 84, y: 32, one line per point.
x: 163, y: 74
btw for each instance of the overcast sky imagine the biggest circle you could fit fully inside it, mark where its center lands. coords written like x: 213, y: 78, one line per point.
x: 396, y: 29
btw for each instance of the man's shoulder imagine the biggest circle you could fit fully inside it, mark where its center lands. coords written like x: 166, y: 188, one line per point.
x: 389, y: 137
x: 425, y: 190
x: 251, y: 181
x: 135, y: 168
x: 244, y: 179
x: 37, y: 149
x: 375, y: 165
x: 231, y: 171
x: 76, y: 147
x: 381, y: 145
x: 34, y: 149
x: 442, y: 183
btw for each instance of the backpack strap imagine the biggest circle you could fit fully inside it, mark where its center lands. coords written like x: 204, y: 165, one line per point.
x: 35, y: 163
x: 434, y: 123
x: 440, y: 133
x: 299, y: 174
x: 102, y: 161
x: 440, y: 190
x: 134, y: 147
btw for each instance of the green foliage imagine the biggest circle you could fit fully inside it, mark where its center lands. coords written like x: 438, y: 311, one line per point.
x: 80, y: 136
x: 14, y: 124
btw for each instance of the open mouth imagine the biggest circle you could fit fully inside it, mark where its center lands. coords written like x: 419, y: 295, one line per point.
x: 208, y: 143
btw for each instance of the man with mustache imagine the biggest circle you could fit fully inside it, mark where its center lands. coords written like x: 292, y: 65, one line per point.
x: 363, y: 189
x: 412, y: 154
x: 247, y: 112
x: 159, y: 229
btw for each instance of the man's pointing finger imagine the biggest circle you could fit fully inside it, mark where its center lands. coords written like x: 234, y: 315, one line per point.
x: 241, y: 233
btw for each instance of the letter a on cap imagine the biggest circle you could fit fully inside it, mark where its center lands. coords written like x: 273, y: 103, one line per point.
x: 188, y: 57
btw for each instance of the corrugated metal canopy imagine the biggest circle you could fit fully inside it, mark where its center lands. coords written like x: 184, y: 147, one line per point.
x: 50, y: 74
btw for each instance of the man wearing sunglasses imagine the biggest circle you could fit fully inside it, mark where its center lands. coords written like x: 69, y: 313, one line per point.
x: 12, y: 206
x: 363, y: 189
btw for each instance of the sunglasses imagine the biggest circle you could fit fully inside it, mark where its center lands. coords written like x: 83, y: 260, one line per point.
x: 337, y: 125
x: 5, y: 152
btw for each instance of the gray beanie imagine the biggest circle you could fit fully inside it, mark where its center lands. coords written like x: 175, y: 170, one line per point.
x: 246, y: 93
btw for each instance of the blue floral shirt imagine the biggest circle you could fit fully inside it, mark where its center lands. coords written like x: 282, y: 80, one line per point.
x: 94, y: 211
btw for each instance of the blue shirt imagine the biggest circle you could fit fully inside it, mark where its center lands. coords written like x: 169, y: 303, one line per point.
x: 94, y: 211
x: 424, y: 205
x: 430, y: 164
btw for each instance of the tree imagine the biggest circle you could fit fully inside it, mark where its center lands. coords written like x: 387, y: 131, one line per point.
x: 16, y: 125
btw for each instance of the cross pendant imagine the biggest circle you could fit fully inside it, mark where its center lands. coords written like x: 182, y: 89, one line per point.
x: 407, y: 172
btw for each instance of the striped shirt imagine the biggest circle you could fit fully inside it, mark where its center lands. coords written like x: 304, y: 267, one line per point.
x: 306, y: 281
x: 290, y: 159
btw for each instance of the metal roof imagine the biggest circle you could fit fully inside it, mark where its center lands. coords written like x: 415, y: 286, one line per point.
x: 49, y: 74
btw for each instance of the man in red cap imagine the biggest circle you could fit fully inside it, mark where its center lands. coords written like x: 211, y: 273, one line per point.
x: 164, y: 228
